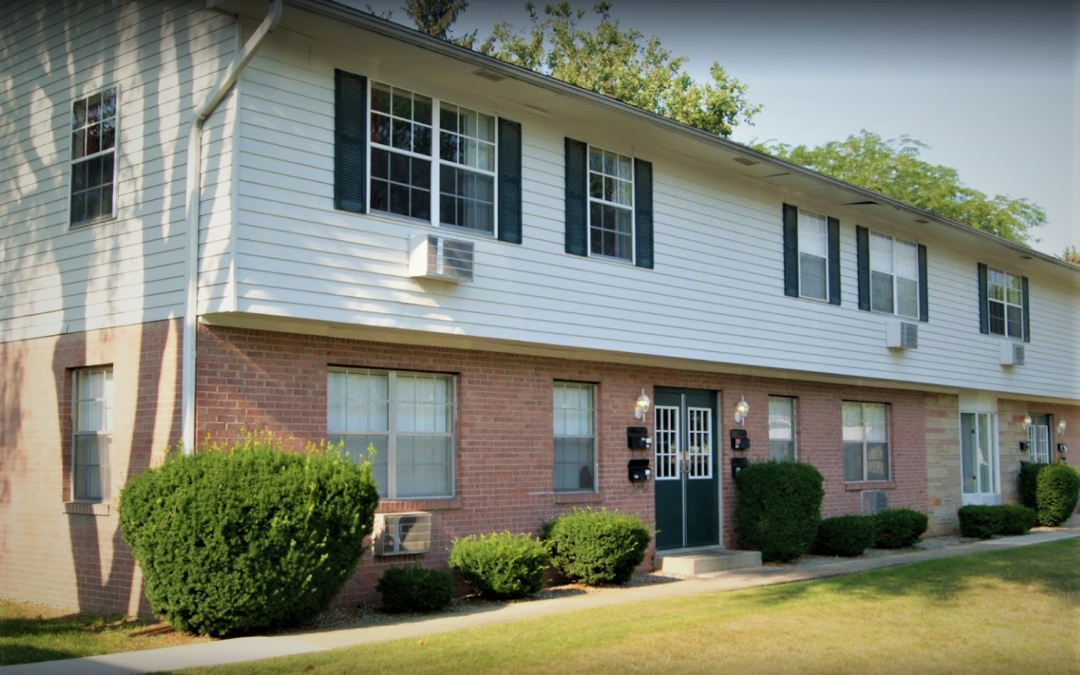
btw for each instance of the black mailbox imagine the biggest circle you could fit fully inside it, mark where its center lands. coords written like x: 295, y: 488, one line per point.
x: 1062, y: 448
x: 637, y: 438
x: 639, y: 470
x: 1024, y: 446
x: 738, y: 464
x: 739, y: 440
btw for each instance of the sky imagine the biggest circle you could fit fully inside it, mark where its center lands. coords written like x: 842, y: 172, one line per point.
x: 992, y: 87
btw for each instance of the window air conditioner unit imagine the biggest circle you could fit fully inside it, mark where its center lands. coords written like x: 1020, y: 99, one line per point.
x: 874, y: 501
x: 402, y: 533
x: 1012, y: 354
x: 435, y: 257
x: 902, y: 335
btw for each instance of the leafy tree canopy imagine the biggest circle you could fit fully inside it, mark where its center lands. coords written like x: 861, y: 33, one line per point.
x: 894, y: 169
x: 1071, y: 254
x: 435, y: 17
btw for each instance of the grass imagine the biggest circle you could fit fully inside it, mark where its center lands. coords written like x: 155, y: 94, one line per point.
x: 31, y: 633
x: 1004, y: 612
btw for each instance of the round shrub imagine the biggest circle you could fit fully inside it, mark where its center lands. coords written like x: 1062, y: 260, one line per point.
x: 899, y: 528
x: 500, y: 564
x: 1029, y: 477
x: 247, y: 538
x: 778, y: 508
x: 1057, y: 491
x: 980, y: 521
x: 415, y: 589
x: 846, y: 536
x: 1017, y: 519
x: 597, y: 547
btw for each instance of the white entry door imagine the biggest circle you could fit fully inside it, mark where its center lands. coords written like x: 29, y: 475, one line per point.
x: 979, y: 458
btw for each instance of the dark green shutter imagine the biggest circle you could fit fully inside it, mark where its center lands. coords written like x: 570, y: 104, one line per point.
x: 862, y: 251
x: 643, y: 216
x: 577, y: 222
x: 834, y: 261
x: 984, y: 311
x: 1027, y: 309
x: 791, y: 250
x: 924, y: 291
x: 509, y: 181
x: 350, y: 142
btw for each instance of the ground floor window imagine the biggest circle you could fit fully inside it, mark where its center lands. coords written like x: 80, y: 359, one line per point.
x: 92, y: 418
x: 407, y: 417
x: 979, y: 453
x: 574, y: 421
x: 1039, y: 439
x: 782, y: 429
x: 866, y: 441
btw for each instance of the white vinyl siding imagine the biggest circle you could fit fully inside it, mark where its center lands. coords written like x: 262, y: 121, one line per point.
x: 866, y: 441
x: 574, y: 429
x: 813, y: 255
x: 782, y: 447
x: 92, y: 423
x: 407, y: 418
x: 1006, y: 304
x: 611, y: 205
x: 894, y: 276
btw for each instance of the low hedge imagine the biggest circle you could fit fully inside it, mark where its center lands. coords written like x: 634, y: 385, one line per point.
x: 596, y: 547
x: 1057, y: 490
x: 1028, y: 483
x: 985, y: 521
x: 1017, y: 519
x: 500, y: 564
x: 247, y: 537
x: 415, y: 589
x: 846, y: 536
x: 899, y: 528
x: 778, y: 508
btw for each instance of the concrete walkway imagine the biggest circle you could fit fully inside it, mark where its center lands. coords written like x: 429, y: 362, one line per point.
x: 254, y: 648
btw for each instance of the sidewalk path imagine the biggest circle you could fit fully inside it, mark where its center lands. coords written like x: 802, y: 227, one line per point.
x: 254, y: 648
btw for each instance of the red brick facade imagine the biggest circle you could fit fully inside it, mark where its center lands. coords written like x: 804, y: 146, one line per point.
x: 72, y: 555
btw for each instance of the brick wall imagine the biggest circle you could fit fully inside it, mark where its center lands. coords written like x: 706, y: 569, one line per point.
x: 52, y: 551
x: 943, y: 480
x: 1011, y: 431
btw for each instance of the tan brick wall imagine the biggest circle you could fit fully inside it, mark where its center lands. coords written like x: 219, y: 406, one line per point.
x: 47, y: 554
x: 1011, y: 431
x: 943, y: 481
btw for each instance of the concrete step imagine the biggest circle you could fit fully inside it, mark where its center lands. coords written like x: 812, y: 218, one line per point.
x: 695, y: 561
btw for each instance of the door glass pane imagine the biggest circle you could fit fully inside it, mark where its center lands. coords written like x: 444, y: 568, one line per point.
x: 667, y: 442
x: 985, y: 451
x: 968, y: 460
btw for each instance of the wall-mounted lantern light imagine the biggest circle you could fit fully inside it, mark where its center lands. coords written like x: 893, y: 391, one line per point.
x: 641, y: 408
x: 1027, y: 422
x: 742, y: 409
x: 1061, y: 426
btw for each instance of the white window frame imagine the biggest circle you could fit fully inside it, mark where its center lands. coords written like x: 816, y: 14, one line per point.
x: 437, y: 162
x: 590, y: 200
x: 103, y: 433
x: 390, y: 490
x: 824, y: 220
x: 72, y: 161
x: 990, y: 283
x: 592, y: 388
x: 993, y: 460
x: 895, y: 275
x: 888, y: 443
x: 794, y: 439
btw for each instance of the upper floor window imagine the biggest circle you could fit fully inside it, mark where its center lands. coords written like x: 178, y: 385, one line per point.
x: 92, y: 422
x: 866, y: 441
x: 611, y: 205
x: 811, y: 255
x: 407, y: 417
x: 93, y: 157
x: 894, y: 276
x: 574, y: 422
x: 1005, y: 304
x: 782, y: 429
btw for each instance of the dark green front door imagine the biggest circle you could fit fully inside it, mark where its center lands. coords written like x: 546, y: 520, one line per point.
x: 686, y: 475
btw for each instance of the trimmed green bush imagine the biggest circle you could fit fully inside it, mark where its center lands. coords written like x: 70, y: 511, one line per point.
x: 846, y: 536
x: 778, y: 508
x: 980, y: 521
x: 415, y: 589
x: 899, y: 528
x: 597, y: 547
x: 1057, y: 492
x: 1017, y: 519
x: 500, y: 564
x: 246, y: 538
x: 1029, y: 476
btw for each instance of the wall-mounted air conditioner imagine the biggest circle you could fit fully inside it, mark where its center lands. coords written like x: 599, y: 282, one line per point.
x: 1012, y: 354
x: 901, y: 335
x: 402, y: 533
x: 874, y: 501
x: 435, y: 257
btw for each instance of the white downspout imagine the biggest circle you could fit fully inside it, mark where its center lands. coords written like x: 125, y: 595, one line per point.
x: 194, y: 185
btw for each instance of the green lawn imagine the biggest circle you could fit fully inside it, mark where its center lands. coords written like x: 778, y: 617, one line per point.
x: 30, y: 633
x: 1011, y: 611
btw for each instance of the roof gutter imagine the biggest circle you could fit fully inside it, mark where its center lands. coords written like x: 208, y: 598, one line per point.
x: 386, y: 28
x: 194, y: 195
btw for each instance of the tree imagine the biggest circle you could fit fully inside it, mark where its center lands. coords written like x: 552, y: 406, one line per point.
x: 894, y: 169
x: 608, y: 60
x: 1071, y: 255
